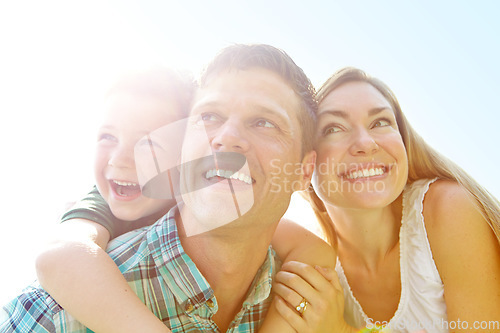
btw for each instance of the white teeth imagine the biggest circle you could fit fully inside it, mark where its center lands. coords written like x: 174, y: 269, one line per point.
x: 228, y: 175
x: 244, y: 178
x: 365, y: 173
x: 118, y: 182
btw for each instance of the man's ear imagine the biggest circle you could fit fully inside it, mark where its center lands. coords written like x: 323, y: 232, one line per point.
x: 308, y: 165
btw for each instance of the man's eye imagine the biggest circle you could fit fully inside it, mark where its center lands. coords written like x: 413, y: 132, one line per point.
x: 208, y: 117
x: 204, y: 119
x: 264, y: 123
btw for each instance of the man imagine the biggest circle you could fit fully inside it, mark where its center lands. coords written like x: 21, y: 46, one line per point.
x: 252, y: 101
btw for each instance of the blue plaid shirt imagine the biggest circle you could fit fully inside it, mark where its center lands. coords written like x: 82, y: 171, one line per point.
x: 155, y: 265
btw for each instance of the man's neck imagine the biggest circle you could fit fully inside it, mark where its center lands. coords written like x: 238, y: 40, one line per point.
x: 229, y: 259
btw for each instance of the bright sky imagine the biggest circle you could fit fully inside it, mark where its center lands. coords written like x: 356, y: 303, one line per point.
x: 439, y: 57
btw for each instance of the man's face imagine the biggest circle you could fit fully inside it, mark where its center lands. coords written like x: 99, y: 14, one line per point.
x: 253, y: 113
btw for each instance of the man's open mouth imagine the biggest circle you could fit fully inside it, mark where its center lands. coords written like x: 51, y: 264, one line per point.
x: 228, y: 174
x: 228, y: 165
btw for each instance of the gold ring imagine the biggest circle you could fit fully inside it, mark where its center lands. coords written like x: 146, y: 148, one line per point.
x: 301, y: 308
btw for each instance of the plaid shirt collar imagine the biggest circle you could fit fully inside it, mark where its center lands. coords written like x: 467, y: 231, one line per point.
x: 184, y: 279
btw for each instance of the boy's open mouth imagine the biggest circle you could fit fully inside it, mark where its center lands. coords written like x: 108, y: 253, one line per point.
x: 125, y: 189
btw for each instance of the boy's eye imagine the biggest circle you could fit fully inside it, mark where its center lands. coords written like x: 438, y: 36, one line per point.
x: 264, y: 123
x: 148, y: 142
x: 107, y: 137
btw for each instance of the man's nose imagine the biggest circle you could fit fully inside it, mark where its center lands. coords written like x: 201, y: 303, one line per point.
x: 231, y: 136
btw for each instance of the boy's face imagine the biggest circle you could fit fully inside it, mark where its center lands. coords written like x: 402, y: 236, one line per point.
x: 128, y: 118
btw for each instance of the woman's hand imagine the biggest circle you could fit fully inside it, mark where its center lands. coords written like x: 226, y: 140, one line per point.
x: 321, y: 289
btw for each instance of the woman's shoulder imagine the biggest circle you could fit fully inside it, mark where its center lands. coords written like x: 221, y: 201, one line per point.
x: 465, y: 250
x: 453, y: 219
x: 446, y: 198
x: 452, y: 214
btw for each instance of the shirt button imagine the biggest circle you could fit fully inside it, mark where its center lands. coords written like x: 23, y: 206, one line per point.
x: 189, y: 306
x: 210, y: 303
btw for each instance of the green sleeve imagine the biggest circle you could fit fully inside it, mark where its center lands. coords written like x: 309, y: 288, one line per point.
x: 93, y: 207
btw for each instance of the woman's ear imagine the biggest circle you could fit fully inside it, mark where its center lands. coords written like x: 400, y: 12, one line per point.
x: 308, y: 164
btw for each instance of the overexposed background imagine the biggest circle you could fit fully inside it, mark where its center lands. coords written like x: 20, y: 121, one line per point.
x: 57, y: 57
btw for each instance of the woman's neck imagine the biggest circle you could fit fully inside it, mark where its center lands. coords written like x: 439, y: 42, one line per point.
x: 366, y: 236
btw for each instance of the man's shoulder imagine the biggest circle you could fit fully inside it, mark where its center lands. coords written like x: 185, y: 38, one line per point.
x: 130, y: 248
x: 34, y: 310
x: 136, y: 247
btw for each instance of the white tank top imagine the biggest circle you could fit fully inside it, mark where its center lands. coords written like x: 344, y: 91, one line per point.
x: 422, y: 304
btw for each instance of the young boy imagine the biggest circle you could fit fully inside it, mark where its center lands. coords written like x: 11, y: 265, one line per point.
x: 75, y: 268
x: 136, y: 105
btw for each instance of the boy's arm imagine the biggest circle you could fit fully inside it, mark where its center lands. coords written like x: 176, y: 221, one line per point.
x: 295, y: 244
x: 76, y: 271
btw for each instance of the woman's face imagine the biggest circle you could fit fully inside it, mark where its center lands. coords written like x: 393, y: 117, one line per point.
x: 361, y: 161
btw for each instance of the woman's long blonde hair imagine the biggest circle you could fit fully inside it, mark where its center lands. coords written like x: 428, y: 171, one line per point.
x: 423, y: 161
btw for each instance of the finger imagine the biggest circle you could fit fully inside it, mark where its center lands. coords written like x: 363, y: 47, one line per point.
x: 336, y: 283
x: 331, y: 275
x: 308, y: 273
x: 288, y: 294
x: 293, y: 318
x: 327, y: 272
x: 319, y: 297
x: 301, y: 289
x: 298, y: 284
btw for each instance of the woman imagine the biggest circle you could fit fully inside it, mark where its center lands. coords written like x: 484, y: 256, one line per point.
x: 417, y: 238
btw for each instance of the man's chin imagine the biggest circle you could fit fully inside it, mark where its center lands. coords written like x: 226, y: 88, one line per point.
x: 208, y: 213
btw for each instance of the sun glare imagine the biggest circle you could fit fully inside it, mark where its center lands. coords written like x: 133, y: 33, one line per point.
x: 62, y: 57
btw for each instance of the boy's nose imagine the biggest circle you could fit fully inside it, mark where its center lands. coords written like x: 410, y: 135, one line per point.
x: 122, y: 157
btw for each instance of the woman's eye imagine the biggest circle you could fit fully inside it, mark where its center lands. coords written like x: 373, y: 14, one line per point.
x: 332, y: 129
x: 264, y: 123
x: 382, y: 123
